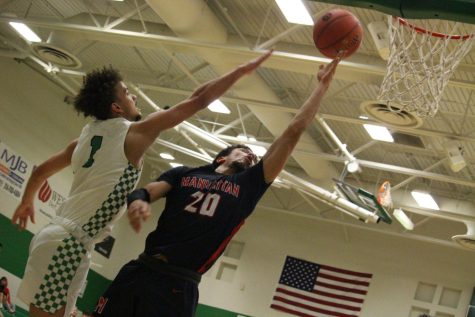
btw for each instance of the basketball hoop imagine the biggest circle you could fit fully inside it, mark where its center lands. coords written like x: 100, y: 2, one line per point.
x: 384, y: 196
x: 421, y: 61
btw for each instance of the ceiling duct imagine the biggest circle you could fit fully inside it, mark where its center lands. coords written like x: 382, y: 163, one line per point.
x: 467, y: 240
x: 57, y: 56
x: 392, y: 116
x: 408, y: 140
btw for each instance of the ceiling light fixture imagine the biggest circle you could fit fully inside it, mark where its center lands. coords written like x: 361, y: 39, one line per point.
x: 403, y: 219
x: 167, y: 156
x: 173, y: 164
x: 377, y: 132
x: 257, y: 149
x: 424, y: 200
x: 295, y: 11
x: 219, y: 107
x: 25, y: 32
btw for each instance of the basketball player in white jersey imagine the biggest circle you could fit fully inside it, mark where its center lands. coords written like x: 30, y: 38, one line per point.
x: 106, y: 160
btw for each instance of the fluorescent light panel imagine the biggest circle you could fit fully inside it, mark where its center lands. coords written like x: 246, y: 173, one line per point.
x: 379, y: 133
x: 167, y: 156
x: 424, y: 200
x: 403, y: 219
x: 219, y: 107
x: 257, y: 149
x: 175, y: 164
x: 25, y: 32
x: 295, y: 11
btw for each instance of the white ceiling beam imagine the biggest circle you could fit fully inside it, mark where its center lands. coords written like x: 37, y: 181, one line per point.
x: 233, y: 123
x: 370, y: 164
x: 125, y: 17
x: 281, y: 108
x: 410, y: 179
x: 287, y: 61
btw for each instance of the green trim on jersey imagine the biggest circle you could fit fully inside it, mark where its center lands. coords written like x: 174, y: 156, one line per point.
x: 115, y: 200
x: 54, y: 289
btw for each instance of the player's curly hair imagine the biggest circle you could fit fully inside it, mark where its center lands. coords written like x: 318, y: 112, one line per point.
x: 226, y: 151
x: 98, y: 93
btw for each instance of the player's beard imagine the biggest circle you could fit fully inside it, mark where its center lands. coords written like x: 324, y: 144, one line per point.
x: 238, y: 166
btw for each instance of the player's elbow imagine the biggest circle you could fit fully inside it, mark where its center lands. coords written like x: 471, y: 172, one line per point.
x: 200, y: 101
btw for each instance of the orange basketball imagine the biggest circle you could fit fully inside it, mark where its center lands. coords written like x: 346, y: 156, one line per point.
x: 337, y: 30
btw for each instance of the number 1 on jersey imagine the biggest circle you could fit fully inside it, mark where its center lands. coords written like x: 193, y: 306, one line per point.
x: 208, y: 206
x: 96, y: 143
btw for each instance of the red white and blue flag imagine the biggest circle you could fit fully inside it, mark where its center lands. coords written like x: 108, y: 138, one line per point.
x: 308, y: 289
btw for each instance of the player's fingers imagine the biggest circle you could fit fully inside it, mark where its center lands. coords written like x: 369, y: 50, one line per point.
x: 267, y: 55
x: 146, y: 215
x: 32, y: 217
x: 134, y: 215
x: 263, y: 57
x: 132, y: 219
x: 137, y: 226
x: 22, y: 223
x: 134, y: 223
x: 143, y: 208
x: 132, y: 210
x: 258, y: 61
x: 134, y: 227
x: 341, y: 54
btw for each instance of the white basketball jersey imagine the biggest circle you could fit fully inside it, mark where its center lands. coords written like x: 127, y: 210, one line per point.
x: 103, y: 177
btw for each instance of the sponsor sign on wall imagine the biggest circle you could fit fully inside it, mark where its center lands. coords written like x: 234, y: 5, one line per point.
x: 14, y: 173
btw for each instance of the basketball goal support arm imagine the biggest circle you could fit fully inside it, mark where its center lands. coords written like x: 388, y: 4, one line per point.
x: 453, y: 10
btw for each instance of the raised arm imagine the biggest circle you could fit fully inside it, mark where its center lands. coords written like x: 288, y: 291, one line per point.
x: 41, y: 173
x: 142, y: 134
x: 139, y: 208
x: 275, y: 158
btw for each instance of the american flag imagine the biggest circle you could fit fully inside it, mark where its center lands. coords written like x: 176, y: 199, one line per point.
x: 308, y: 289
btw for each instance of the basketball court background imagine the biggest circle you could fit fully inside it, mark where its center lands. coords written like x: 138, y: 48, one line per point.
x: 167, y: 54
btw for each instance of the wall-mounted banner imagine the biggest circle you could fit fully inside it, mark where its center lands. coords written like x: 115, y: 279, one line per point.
x: 14, y: 173
x: 49, y: 200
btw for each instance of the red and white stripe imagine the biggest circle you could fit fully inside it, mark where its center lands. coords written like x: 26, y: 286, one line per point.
x: 336, y: 292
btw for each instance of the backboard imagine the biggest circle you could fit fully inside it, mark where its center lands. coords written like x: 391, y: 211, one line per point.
x: 362, y: 198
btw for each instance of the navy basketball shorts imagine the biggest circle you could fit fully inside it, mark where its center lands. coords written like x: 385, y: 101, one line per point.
x: 138, y: 291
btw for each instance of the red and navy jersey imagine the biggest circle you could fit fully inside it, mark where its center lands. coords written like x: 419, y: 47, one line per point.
x: 203, y: 211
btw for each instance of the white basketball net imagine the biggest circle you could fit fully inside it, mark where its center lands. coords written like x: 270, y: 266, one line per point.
x: 421, y: 62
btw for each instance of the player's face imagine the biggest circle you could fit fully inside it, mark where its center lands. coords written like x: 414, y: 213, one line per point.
x: 127, y: 103
x: 241, y: 158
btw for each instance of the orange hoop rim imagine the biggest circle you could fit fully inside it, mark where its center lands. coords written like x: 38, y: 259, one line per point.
x: 404, y: 22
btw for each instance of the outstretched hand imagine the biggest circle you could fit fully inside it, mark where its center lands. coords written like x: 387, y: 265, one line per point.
x: 250, y: 66
x: 326, y: 72
x: 138, y: 212
x: 22, y: 213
